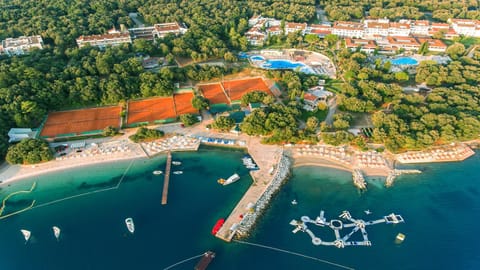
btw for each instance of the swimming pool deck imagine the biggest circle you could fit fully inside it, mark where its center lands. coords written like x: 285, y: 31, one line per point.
x: 265, y: 156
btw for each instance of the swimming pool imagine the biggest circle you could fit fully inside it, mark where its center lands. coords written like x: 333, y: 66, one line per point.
x: 404, y: 61
x: 257, y: 58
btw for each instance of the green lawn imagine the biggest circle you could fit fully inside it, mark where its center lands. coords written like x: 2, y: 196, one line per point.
x: 469, y: 41
x: 318, y: 113
x: 334, y: 87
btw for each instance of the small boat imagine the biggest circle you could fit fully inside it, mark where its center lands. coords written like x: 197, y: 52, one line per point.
x: 205, y: 260
x: 232, y: 179
x: 26, y: 234
x: 294, y: 202
x: 368, y: 212
x: 130, y: 224
x: 217, y: 226
x: 177, y: 172
x: 176, y: 163
x: 400, y: 237
x: 157, y: 172
x: 56, y: 232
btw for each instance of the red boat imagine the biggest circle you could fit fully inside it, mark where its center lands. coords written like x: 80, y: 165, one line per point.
x: 217, y: 226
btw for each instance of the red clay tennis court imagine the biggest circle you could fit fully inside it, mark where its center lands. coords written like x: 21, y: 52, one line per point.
x: 214, y: 93
x: 237, y: 88
x: 77, y: 121
x: 183, y: 103
x: 149, y: 110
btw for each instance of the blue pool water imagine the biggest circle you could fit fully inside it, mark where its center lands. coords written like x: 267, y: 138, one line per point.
x: 281, y: 64
x: 404, y: 61
x: 257, y: 58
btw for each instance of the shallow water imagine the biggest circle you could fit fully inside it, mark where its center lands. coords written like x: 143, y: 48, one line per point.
x: 440, y: 207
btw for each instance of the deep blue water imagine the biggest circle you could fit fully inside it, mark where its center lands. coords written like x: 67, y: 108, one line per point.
x: 404, y: 61
x: 440, y: 206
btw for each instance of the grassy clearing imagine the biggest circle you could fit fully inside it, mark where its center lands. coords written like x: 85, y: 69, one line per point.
x: 320, y: 115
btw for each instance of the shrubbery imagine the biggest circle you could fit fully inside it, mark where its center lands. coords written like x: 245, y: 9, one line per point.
x: 29, y: 151
x: 145, y: 134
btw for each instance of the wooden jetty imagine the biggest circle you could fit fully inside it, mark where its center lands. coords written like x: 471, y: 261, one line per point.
x: 167, y: 178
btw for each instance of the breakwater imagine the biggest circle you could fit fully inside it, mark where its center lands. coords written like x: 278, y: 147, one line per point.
x: 255, y: 210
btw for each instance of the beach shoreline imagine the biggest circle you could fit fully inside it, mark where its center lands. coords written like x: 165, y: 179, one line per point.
x: 29, y: 171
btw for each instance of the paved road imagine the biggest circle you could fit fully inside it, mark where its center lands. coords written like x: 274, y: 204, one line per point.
x: 321, y: 15
x: 134, y: 16
x: 332, y: 108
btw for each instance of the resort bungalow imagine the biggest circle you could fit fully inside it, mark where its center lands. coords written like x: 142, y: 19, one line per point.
x: 434, y: 45
x: 367, y: 46
x: 18, y: 134
x: 314, y: 96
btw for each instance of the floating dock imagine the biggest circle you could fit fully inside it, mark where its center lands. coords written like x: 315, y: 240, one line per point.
x: 338, y: 225
x: 167, y: 178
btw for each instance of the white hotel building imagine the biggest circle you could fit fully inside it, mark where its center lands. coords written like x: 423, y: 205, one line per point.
x: 20, y: 45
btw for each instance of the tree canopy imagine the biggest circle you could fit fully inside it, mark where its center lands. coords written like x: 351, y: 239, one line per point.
x: 29, y: 151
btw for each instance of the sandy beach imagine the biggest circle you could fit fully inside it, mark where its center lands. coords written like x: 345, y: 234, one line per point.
x: 322, y: 162
x: 16, y: 172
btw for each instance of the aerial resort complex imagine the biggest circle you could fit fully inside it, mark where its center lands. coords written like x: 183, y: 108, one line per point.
x: 200, y: 134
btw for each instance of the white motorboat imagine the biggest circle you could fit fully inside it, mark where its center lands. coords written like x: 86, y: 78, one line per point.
x: 26, y: 234
x: 232, y: 179
x: 56, y: 232
x: 157, y: 172
x: 176, y: 163
x: 294, y: 202
x: 130, y: 224
x: 177, y: 172
x: 368, y: 212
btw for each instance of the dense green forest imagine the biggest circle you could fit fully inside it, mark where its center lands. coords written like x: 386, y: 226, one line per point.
x: 448, y: 113
x: 63, y: 76
x: 439, y: 10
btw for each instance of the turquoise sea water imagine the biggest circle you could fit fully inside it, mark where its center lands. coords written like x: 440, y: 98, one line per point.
x: 440, y: 206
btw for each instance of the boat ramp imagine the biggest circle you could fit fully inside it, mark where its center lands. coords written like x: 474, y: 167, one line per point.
x: 338, y: 225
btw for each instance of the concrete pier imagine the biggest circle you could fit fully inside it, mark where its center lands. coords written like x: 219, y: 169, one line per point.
x: 167, y: 178
x: 244, y: 215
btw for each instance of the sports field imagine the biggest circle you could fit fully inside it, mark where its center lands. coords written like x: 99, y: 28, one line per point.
x: 77, y: 121
x: 214, y: 93
x: 235, y: 89
x: 149, y: 110
x: 183, y: 103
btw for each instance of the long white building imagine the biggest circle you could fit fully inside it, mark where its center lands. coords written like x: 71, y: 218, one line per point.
x: 469, y: 28
x: 20, y: 45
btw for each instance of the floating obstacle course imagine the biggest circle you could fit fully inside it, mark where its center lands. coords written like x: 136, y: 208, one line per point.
x: 337, y: 225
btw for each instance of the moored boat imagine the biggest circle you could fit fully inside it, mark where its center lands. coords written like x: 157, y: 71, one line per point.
x: 399, y: 238
x: 176, y: 163
x: 130, y: 225
x: 177, y: 172
x: 157, y: 172
x: 217, y: 226
x: 205, y: 260
x: 26, y: 234
x: 56, y: 232
x: 232, y: 179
